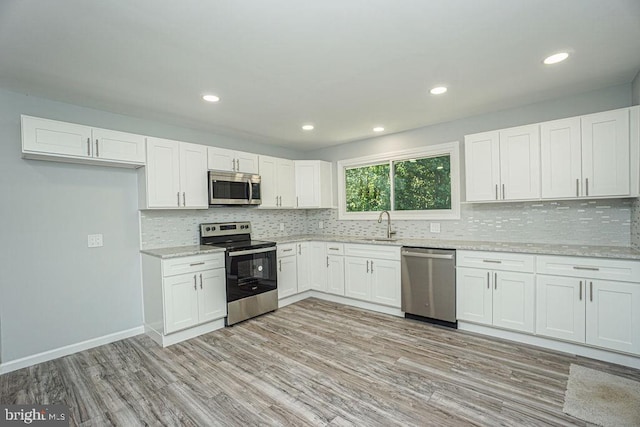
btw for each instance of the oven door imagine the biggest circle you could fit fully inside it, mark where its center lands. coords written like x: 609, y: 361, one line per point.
x: 250, y: 272
x: 233, y: 188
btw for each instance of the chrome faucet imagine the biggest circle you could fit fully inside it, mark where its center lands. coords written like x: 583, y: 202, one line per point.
x: 389, y: 232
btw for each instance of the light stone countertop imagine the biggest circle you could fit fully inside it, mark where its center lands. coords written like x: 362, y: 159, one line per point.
x: 615, y: 252
x: 180, y: 251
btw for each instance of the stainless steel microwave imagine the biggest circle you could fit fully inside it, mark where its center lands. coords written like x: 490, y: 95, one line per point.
x: 233, y: 188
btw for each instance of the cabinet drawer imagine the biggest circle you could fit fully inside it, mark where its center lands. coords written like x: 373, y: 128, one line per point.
x: 390, y: 253
x: 287, y: 249
x: 189, y: 264
x: 596, y: 268
x: 495, y: 261
x: 335, y: 249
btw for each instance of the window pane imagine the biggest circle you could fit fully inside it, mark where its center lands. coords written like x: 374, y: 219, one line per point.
x: 368, y: 188
x: 422, y: 184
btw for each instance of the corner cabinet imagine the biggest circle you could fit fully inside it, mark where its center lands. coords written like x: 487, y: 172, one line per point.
x: 314, y: 188
x: 589, y: 301
x: 175, y: 176
x: 496, y: 289
x: 372, y: 273
x: 183, y: 297
x: 44, y: 139
x: 503, y: 165
x: 278, y: 182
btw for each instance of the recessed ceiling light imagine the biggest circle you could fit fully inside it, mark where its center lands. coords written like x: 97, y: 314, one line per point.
x: 211, y: 98
x: 554, y: 59
x: 307, y: 127
x: 378, y: 129
x: 439, y: 90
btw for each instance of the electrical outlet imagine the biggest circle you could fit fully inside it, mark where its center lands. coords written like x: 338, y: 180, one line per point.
x: 321, y: 225
x: 434, y: 227
x: 282, y: 226
x: 94, y: 240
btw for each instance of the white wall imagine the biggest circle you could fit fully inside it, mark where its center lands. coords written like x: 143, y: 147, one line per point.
x: 54, y: 291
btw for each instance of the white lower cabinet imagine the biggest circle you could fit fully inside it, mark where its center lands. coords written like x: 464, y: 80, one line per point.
x: 182, y: 293
x: 335, y: 268
x: 304, y: 261
x: 496, y: 296
x: 287, y: 270
x: 582, y: 307
x: 372, y: 273
x: 318, y: 268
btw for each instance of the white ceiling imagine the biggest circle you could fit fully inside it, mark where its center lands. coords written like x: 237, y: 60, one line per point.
x: 343, y: 65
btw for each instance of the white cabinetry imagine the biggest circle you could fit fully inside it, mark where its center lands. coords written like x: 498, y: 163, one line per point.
x: 304, y: 260
x: 372, y: 273
x: 313, y: 184
x: 68, y: 142
x: 586, y: 156
x: 503, y: 165
x: 231, y: 160
x: 335, y: 268
x: 175, y: 176
x: 318, y: 268
x: 587, y: 300
x: 287, y: 270
x: 182, y: 293
x: 496, y: 289
x: 278, y: 182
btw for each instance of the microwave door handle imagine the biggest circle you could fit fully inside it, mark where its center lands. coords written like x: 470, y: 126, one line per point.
x: 250, y: 190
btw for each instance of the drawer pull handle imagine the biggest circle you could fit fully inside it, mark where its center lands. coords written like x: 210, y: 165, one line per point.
x: 334, y: 249
x: 196, y: 263
x: 577, y: 267
x: 493, y: 261
x: 287, y: 250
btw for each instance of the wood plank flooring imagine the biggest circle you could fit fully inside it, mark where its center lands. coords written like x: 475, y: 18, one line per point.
x: 313, y: 363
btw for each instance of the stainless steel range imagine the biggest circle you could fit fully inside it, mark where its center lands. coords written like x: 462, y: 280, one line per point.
x: 252, y: 287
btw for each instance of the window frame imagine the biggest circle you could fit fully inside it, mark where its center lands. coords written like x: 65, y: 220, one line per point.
x: 452, y: 149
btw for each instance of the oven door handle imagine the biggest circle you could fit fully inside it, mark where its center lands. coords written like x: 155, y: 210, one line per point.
x: 252, y: 251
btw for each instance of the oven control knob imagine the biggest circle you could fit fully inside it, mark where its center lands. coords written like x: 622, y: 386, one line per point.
x: 213, y: 228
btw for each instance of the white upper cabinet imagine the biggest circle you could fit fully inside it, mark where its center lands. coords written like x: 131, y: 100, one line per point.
x: 313, y: 184
x: 231, y: 160
x: 605, y: 153
x: 68, y: 142
x: 277, y: 182
x: 503, y: 165
x: 586, y: 156
x: 175, y: 176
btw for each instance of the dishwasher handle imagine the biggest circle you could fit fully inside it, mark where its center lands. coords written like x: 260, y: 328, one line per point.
x: 426, y: 255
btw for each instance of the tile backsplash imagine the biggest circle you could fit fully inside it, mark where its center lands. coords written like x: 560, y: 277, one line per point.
x: 594, y: 222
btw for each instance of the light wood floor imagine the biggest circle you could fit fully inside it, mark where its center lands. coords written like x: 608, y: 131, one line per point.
x: 311, y: 363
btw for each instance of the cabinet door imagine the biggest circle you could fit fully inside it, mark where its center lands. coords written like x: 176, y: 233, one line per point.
x: 520, y: 163
x: 268, y: 185
x: 53, y: 137
x: 482, y: 166
x: 303, y: 266
x: 335, y: 274
x: 605, y: 153
x: 212, y: 295
x: 318, y: 266
x: 180, y: 302
x: 246, y: 162
x: 193, y: 175
x: 513, y: 301
x: 307, y: 184
x: 163, y: 173
x: 561, y: 158
x: 286, y: 183
x: 560, y: 307
x: 119, y: 146
x: 473, y: 295
x: 287, y: 277
x: 220, y: 159
x: 357, y: 278
x: 613, y: 315
x: 385, y: 282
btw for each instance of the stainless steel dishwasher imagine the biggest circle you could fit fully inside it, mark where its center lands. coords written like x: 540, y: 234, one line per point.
x: 429, y: 285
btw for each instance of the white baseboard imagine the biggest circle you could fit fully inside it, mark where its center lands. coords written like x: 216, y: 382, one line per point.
x: 186, y: 334
x: 293, y: 299
x: 357, y: 303
x: 562, y: 346
x: 25, y: 362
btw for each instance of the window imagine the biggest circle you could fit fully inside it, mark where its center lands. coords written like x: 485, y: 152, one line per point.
x: 413, y: 184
